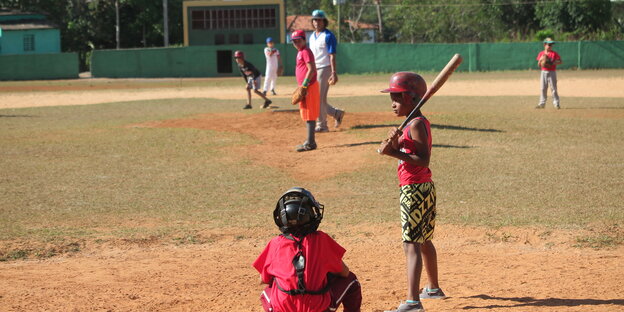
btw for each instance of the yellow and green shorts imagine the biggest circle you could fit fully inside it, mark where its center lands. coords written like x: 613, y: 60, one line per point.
x: 418, y: 212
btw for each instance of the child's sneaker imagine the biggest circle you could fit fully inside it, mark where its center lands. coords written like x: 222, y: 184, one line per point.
x: 321, y: 129
x: 339, y: 115
x: 266, y: 104
x: 306, y: 147
x: 409, y: 307
x: 432, y: 293
x: 273, y: 92
x: 540, y: 106
x: 248, y: 106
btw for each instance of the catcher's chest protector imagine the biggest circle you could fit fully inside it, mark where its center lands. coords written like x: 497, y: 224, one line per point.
x: 299, y: 262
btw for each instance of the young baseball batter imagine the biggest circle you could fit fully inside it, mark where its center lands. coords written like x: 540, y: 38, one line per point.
x: 412, y: 147
x: 273, y: 60
x: 305, y: 72
x: 548, y: 60
x: 251, y: 75
x: 303, y: 266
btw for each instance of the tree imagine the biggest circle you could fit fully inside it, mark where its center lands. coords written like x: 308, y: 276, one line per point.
x: 450, y: 21
x: 518, y: 18
x: 581, y: 18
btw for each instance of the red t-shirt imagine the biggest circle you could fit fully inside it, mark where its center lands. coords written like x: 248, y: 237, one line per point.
x: 553, y: 56
x: 411, y: 174
x: 304, y: 56
x: 322, y: 254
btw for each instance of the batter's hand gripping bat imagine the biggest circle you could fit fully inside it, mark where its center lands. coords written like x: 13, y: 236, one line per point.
x: 442, y: 77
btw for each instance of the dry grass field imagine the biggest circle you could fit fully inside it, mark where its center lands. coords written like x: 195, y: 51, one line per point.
x: 157, y: 194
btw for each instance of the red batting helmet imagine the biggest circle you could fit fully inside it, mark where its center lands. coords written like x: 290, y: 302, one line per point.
x: 407, y: 82
x: 238, y: 54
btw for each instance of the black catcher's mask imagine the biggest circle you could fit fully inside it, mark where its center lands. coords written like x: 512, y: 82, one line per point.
x: 297, y: 212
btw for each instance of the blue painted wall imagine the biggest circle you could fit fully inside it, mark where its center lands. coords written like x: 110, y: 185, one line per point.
x: 46, y: 41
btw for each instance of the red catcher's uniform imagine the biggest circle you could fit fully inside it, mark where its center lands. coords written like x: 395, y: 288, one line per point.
x: 323, y: 255
x: 553, y: 56
x: 411, y: 174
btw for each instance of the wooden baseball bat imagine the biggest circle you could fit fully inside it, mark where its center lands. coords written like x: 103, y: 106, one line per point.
x: 442, y: 77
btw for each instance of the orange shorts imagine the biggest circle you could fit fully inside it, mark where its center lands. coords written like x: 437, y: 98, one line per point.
x: 311, y: 104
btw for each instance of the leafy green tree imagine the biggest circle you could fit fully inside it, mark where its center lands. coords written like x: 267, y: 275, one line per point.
x: 449, y: 21
x: 301, y: 7
x: 517, y: 18
x: 581, y: 18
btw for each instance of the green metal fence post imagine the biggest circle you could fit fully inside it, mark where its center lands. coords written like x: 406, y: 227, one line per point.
x: 579, y: 55
x: 473, y: 57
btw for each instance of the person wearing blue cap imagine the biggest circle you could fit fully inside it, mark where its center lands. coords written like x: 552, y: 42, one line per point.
x: 323, y: 44
x: 273, y: 62
x: 548, y: 60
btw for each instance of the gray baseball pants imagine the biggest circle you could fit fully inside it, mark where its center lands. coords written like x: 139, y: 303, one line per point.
x: 323, y: 74
x: 549, y: 78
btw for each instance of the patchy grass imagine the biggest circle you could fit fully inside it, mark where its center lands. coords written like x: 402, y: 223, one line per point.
x: 83, y: 173
x: 603, y: 237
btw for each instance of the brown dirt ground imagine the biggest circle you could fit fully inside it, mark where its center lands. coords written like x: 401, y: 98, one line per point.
x: 509, y: 269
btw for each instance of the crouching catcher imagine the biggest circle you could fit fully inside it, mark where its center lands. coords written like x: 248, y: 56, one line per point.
x: 303, y: 267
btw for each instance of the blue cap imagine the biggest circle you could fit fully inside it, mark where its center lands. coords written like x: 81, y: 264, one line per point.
x: 269, y: 39
x: 318, y: 14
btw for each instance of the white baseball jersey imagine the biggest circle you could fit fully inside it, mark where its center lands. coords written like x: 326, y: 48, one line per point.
x: 271, y: 59
x: 322, y: 45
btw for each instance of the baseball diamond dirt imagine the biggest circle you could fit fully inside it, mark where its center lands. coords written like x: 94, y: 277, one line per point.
x: 481, y: 269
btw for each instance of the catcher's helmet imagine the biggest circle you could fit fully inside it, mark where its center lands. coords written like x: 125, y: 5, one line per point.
x: 238, y: 54
x: 408, y: 83
x: 297, y: 212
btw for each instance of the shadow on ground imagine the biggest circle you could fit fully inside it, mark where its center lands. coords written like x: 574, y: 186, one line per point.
x: 377, y: 143
x: 434, y: 126
x: 546, y: 302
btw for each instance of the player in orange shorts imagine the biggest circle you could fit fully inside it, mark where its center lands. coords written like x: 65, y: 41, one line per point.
x: 305, y: 71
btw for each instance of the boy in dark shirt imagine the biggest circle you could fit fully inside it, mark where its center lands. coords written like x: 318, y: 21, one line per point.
x: 251, y: 75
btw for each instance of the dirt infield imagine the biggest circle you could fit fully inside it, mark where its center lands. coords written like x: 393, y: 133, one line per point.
x: 493, y: 270
x: 506, y: 269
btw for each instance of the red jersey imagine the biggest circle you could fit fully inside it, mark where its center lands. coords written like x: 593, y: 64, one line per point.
x: 322, y: 255
x: 411, y: 174
x: 553, y: 56
x: 303, y: 57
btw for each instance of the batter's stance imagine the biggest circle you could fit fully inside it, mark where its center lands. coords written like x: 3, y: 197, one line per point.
x: 412, y: 147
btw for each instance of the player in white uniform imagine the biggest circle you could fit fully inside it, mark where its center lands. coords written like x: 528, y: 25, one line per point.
x: 273, y: 60
x: 323, y: 44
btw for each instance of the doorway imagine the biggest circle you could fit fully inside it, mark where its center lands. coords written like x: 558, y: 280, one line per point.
x: 224, y: 61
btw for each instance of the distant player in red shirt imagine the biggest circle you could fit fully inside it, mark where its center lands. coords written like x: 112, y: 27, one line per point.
x: 548, y: 60
x: 412, y: 147
x: 305, y: 72
x: 303, y: 266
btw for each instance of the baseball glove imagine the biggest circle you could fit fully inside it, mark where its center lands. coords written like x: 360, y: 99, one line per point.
x: 545, y: 61
x: 298, y: 95
x: 280, y: 70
